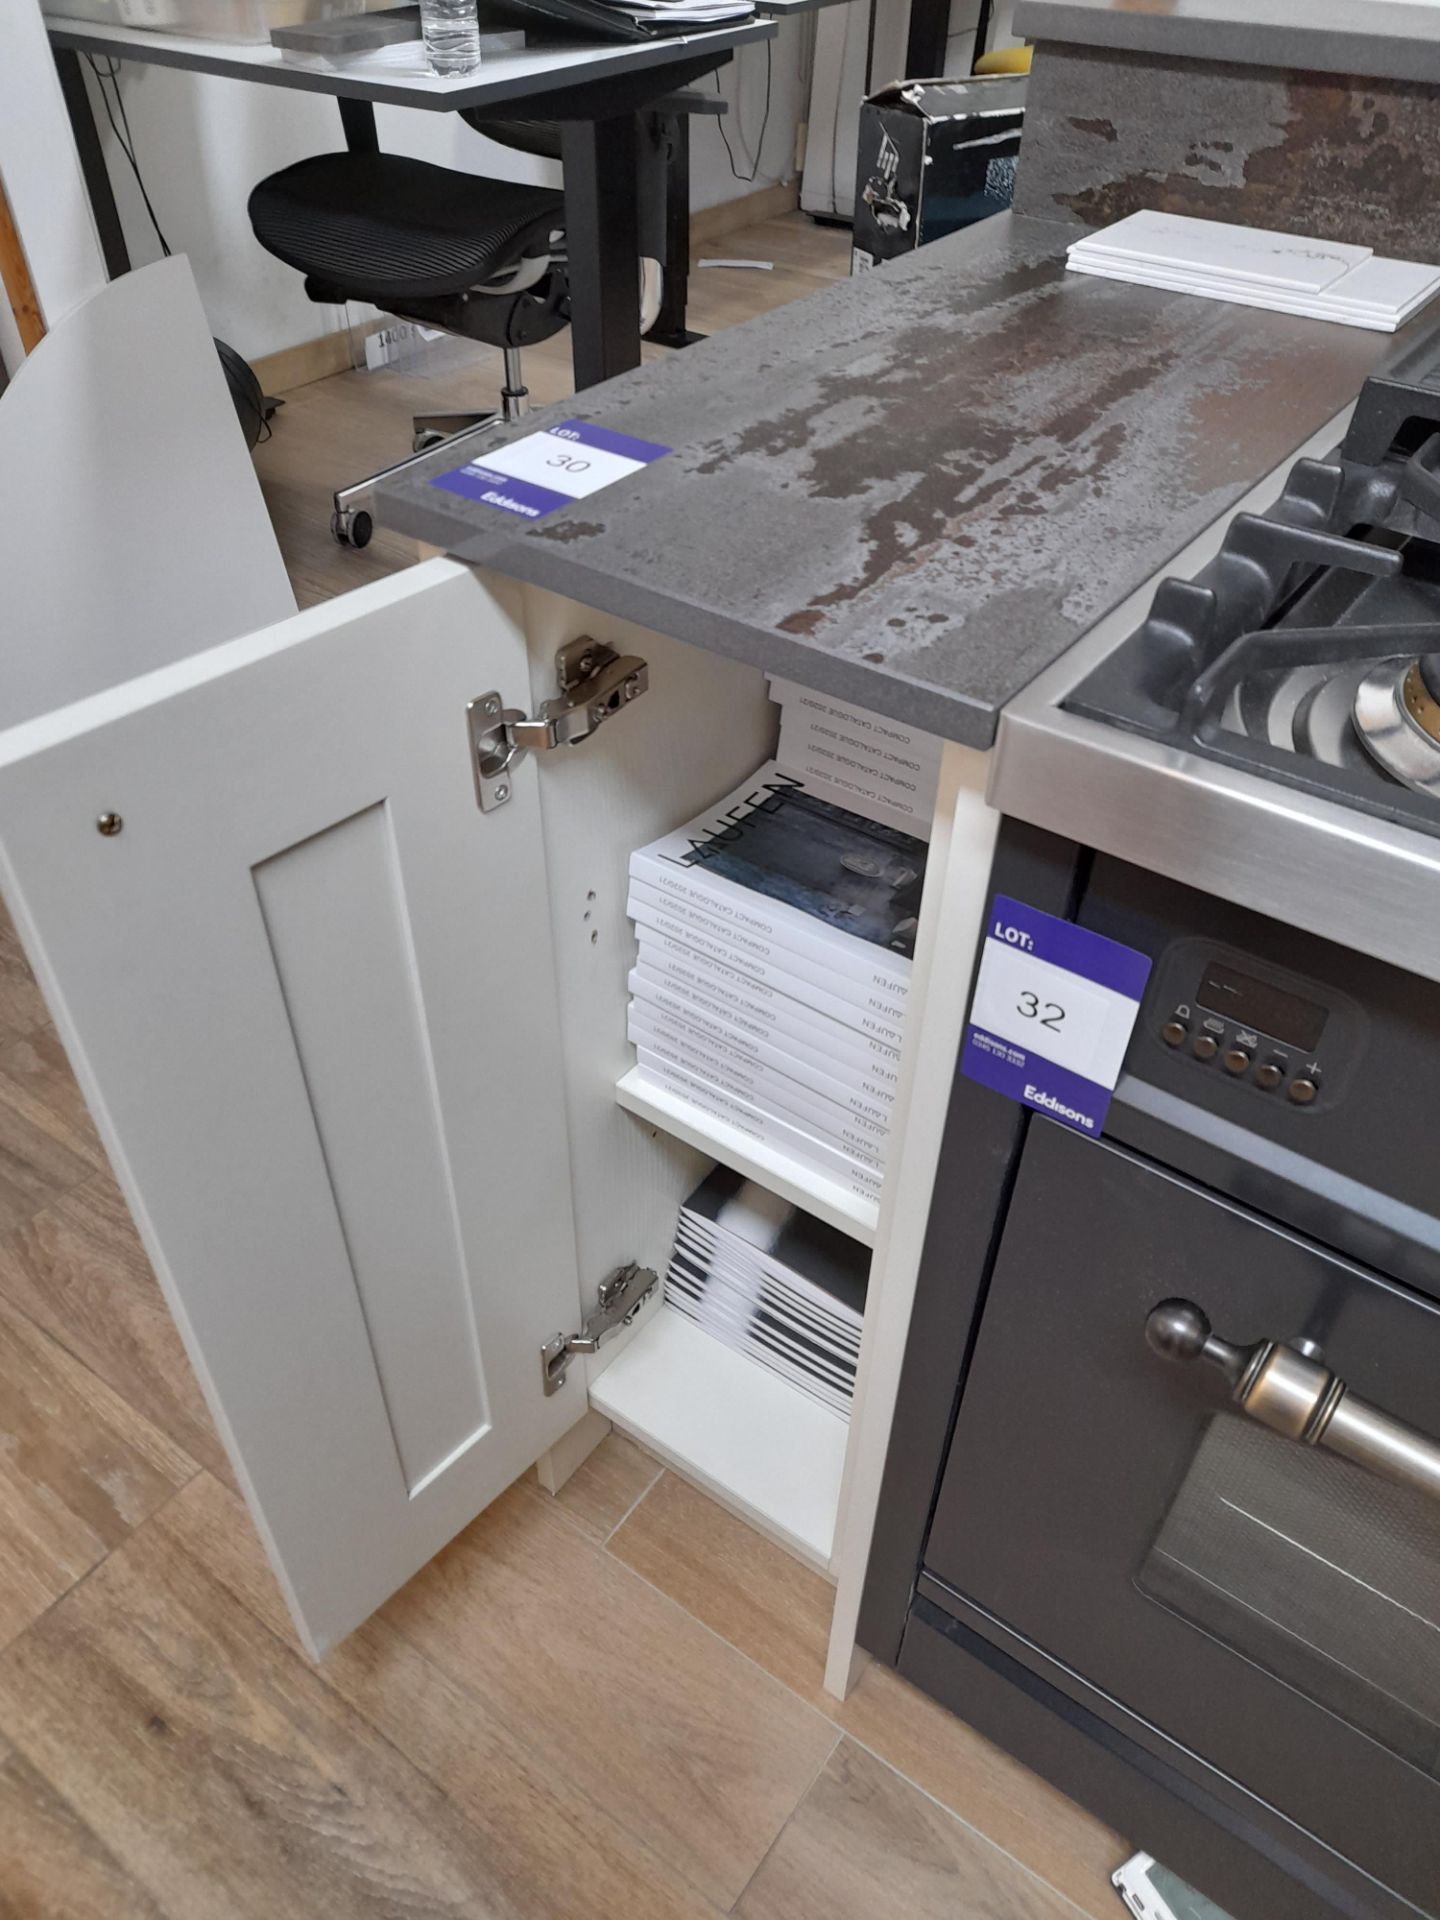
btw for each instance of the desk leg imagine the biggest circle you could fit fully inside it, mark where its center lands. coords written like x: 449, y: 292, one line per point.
x: 357, y: 117
x: 93, y: 169
x: 603, y: 243
x: 982, y: 28
x: 928, y: 34
x: 670, y: 329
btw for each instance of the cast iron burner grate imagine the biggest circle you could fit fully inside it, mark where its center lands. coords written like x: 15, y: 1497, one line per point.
x: 1309, y: 649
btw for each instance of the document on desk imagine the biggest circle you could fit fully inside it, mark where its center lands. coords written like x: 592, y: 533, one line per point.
x: 545, y: 471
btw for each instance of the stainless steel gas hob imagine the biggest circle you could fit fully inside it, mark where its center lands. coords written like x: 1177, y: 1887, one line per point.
x: 1265, y: 721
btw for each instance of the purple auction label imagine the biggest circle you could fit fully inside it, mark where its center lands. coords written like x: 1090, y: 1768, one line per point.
x: 542, y: 472
x: 1054, y: 1008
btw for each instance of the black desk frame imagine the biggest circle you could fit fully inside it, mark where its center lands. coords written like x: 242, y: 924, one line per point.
x: 601, y: 144
x: 929, y: 34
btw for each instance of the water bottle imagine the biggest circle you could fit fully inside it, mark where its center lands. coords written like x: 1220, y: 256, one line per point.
x: 452, y: 35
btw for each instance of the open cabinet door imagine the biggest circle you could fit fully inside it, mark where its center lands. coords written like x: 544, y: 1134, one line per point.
x: 308, y: 989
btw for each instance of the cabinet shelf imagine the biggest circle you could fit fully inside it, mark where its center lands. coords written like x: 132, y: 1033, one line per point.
x: 756, y: 1444
x: 790, y: 1178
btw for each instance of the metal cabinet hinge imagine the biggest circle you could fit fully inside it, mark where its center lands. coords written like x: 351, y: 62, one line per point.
x: 595, y: 682
x: 621, y: 1298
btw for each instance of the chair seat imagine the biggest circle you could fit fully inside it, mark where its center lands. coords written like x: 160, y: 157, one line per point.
x: 381, y: 227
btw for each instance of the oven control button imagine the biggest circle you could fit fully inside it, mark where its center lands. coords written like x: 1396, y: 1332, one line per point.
x: 1174, y: 1033
x: 1304, y: 1089
x: 1206, y: 1046
x: 1236, y: 1061
x: 1269, y: 1075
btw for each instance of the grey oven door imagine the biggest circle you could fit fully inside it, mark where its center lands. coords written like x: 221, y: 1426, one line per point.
x: 1274, y: 1608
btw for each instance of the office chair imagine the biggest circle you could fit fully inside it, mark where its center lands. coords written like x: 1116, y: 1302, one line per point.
x: 481, y: 258
x: 474, y: 256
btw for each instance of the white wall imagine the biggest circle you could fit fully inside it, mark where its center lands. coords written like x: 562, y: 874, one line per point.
x: 711, y: 182
x: 960, y: 45
x: 40, y: 173
x: 204, y: 142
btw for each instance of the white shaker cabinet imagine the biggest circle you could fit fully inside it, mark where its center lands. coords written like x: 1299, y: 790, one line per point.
x: 357, y: 1050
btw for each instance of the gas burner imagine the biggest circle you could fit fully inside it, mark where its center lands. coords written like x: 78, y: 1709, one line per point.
x: 1306, y: 710
x: 1397, y: 717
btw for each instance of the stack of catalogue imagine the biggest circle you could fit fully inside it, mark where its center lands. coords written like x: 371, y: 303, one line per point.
x: 776, y: 1285
x: 882, y: 768
x: 776, y: 936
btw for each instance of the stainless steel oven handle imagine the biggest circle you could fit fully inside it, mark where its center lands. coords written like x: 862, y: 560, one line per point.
x: 1294, y: 1393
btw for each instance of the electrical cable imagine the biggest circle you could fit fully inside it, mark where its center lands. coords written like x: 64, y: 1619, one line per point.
x: 748, y: 179
x: 126, y: 140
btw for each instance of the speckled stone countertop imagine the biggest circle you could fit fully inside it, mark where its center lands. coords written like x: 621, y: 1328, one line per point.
x: 1391, y: 39
x: 917, y: 488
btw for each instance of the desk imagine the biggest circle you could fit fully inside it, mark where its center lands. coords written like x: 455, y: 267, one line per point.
x: 594, y: 88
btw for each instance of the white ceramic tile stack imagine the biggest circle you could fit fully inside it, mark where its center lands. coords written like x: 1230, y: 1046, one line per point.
x: 775, y: 941
x: 1253, y: 266
x: 772, y: 1282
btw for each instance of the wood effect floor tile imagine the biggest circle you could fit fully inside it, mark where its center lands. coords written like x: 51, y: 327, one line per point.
x: 867, y: 1845
x: 795, y: 242
x: 554, y: 1854
x: 1032, y: 1820
x: 220, y: 1770
x: 47, y: 1146
x: 763, y: 1601
x: 750, y: 1591
x: 604, y: 1488
x: 78, y: 1269
x: 22, y: 1005
x: 51, y: 1866
x: 37, y: 1085
x: 728, y: 296
x: 79, y: 1470
x: 676, y: 1735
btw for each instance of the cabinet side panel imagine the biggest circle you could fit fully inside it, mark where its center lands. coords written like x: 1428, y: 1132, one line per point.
x: 961, y: 843
x: 703, y: 725
x: 977, y: 1155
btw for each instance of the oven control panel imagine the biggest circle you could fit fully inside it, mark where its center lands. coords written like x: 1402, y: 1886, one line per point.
x: 1245, y: 1024
x: 1278, y: 1068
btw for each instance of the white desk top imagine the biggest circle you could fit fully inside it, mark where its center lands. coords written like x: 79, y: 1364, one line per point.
x: 501, y: 76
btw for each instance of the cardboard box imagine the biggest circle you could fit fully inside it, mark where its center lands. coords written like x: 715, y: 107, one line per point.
x: 934, y: 156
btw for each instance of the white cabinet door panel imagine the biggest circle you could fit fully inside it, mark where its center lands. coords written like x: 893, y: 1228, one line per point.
x: 309, y: 991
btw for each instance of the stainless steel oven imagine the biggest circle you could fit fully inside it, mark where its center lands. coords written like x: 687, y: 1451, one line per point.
x: 1188, y: 1497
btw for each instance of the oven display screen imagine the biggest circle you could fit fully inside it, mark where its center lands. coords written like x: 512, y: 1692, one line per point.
x: 1254, y: 1003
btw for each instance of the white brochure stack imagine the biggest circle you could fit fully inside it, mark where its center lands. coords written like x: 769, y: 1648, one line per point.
x: 1256, y: 267
x: 882, y: 768
x: 776, y: 935
x: 772, y: 1282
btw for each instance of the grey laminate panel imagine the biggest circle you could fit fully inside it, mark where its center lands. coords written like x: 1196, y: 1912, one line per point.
x: 917, y: 488
x: 1396, y: 39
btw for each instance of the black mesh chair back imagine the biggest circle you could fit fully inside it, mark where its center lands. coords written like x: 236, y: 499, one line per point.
x: 478, y: 257
x: 540, y: 137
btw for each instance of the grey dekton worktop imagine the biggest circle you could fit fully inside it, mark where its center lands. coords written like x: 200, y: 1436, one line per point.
x: 1392, y: 39
x: 917, y: 488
